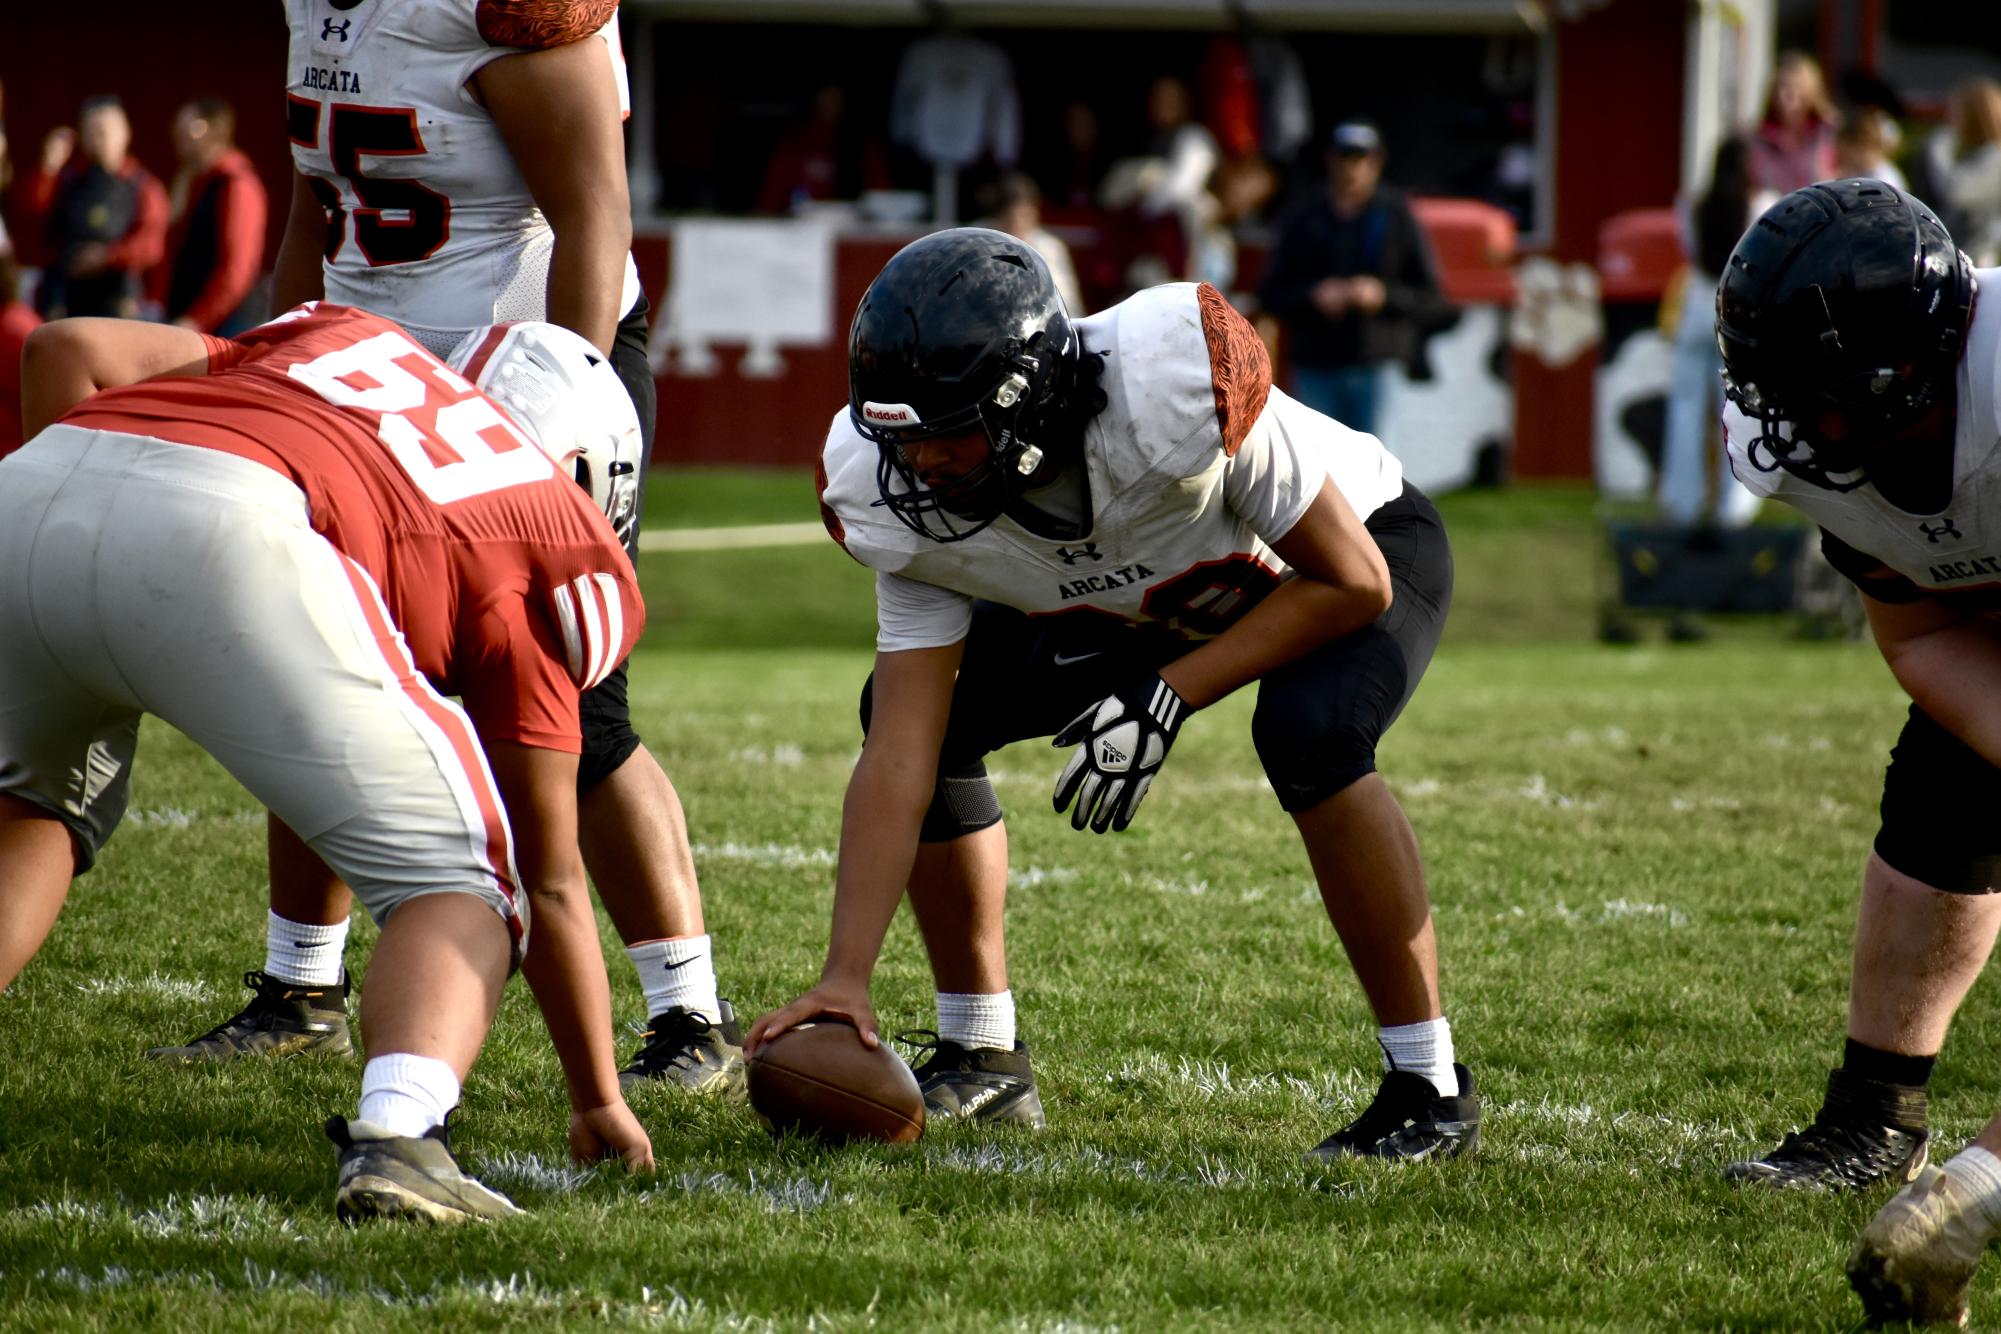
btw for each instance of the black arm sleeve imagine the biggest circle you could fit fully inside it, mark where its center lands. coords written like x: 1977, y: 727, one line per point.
x: 1867, y: 573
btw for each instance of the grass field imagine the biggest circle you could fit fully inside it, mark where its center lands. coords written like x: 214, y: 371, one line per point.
x: 1643, y: 863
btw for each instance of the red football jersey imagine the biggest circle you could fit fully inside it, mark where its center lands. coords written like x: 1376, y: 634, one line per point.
x: 507, y: 583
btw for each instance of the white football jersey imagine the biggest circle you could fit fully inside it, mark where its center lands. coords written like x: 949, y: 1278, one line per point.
x: 1953, y: 551
x: 1194, y: 468
x: 430, y: 221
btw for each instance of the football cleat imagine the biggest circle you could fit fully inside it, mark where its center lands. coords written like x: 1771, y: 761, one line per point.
x: 393, y: 1176
x: 1915, y: 1259
x: 979, y: 1085
x: 1865, y: 1132
x: 1409, y: 1119
x: 282, y: 1019
x: 680, y: 1047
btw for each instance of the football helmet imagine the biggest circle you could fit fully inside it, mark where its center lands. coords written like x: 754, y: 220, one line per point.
x: 564, y: 393
x: 1841, y: 316
x: 963, y: 329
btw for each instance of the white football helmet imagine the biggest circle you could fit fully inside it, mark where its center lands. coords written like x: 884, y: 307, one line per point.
x: 564, y: 393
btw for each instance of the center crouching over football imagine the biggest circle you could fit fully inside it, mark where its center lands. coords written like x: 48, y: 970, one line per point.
x: 1405, y: 593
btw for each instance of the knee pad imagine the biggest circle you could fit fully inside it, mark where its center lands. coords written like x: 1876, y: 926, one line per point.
x: 964, y: 803
x: 606, y: 723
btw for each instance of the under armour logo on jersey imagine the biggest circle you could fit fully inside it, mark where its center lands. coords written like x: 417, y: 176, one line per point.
x: 1945, y: 529
x: 328, y: 28
x: 1089, y: 551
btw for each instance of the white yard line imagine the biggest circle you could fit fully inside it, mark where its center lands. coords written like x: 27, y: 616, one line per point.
x: 733, y: 539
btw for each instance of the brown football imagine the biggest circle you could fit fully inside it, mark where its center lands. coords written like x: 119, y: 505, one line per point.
x: 820, y: 1080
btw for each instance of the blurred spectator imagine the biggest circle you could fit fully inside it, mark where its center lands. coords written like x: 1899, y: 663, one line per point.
x: 1071, y: 187
x: 1164, y: 196
x: 215, y: 246
x: 17, y: 321
x: 825, y: 156
x: 1794, y: 145
x: 1695, y: 385
x: 101, y: 218
x: 1352, y: 282
x: 1863, y: 145
x: 1963, y: 159
x: 1241, y: 188
x: 1018, y: 212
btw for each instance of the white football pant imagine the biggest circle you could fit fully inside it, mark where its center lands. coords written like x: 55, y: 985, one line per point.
x: 143, y: 576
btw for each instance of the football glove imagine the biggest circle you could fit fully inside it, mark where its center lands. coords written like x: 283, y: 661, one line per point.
x: 1124, y: 738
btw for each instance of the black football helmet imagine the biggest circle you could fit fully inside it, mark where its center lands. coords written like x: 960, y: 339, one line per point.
x: 963, y: 328
x: 1845, y: 305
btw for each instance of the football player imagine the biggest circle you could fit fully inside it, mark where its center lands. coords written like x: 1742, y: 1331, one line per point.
x: 1095, y: 528
x: 1861, y: 378
x: 293, y: 547
x: 460, y: 163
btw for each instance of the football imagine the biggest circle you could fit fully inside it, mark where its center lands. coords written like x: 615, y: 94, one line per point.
x: 819, y: 1079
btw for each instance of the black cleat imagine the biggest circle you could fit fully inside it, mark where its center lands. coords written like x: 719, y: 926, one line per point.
x: 394, y: 1176
x: 282, y: 1019
x: 1865, y: 1132
x: 981, y: 1085
x: 681, y: 1047
x: 1409, y: 1119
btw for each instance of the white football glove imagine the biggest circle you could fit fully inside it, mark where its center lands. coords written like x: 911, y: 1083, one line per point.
x: 1124, y: 739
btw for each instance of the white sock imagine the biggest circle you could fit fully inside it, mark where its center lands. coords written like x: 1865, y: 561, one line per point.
x: 407, y: 1095
x: 977, y: 1019
x: 304, y: 952
x: 1980, y: 1172
x: 1423, y: 1048
x: 677, y: 973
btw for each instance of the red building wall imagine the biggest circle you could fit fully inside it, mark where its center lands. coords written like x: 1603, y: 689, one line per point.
x: 1618, y: 146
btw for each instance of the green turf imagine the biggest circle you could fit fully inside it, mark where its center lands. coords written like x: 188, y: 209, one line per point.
x: 1643, y: 864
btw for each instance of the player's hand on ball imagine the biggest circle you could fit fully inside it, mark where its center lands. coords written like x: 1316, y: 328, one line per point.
x: 828, y: 1000
x: 597, y: 1133
x: 1121, y: 742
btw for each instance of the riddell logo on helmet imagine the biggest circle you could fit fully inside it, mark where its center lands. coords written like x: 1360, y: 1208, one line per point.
x: 890, y: 414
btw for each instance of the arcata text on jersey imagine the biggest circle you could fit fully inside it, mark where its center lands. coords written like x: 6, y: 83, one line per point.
x: 331, y: 80
x: 1102, y: 583
x: 1952, y: 570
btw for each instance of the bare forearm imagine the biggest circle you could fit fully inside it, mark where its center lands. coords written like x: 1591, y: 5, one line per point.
x: 879, y: 826
x: 1299, y: 616
x: 297, y: 274
x: 565, y: 969
x: 587, y: 274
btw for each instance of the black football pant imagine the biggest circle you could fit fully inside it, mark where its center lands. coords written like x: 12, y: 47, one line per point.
x: 603, y: 710
x: 1318, y: 718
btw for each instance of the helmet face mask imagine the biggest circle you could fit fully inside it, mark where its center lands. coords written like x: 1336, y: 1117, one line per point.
x: 962, y: 334
x: 1840, y: 319
x: 1815, y: 441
